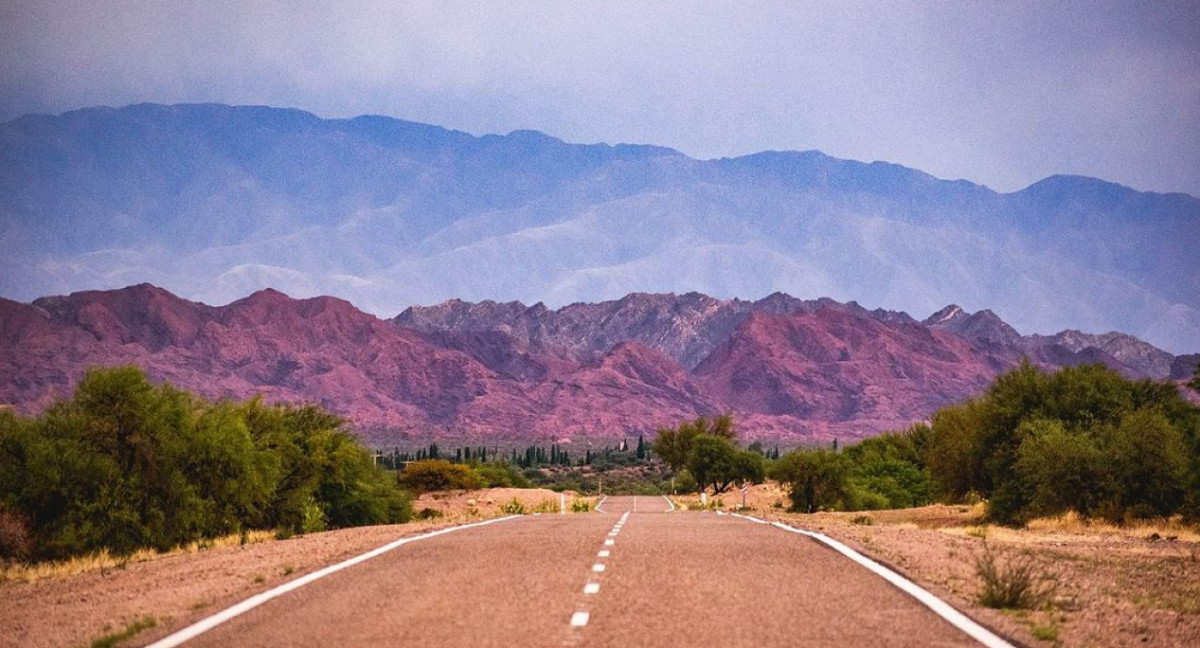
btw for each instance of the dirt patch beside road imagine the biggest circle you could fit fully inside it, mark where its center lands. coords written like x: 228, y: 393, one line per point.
x: 1136, y: 585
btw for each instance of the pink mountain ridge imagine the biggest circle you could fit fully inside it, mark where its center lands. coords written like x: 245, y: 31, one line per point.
x: 790, y: 371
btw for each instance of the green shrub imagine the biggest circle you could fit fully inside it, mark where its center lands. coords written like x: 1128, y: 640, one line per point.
x: 816, y: 479
x: 314, y: 518
x: 429, y: 514
x: 500, y: 475
x: 438, y: 475
x: 513, y: 507
x: 580, y: 506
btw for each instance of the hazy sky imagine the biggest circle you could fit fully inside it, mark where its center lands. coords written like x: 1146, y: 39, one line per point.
x: 1001, y: 93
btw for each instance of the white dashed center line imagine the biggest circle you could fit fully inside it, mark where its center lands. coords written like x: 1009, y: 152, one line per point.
x: 581, y: 617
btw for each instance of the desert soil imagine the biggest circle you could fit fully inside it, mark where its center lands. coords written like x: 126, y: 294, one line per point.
x: 1113, y: 587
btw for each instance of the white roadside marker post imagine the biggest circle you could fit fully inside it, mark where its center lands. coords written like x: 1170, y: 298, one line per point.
x: 562, y: 503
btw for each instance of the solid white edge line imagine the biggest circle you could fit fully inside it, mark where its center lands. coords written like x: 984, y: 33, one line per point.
x: 669, y: 504
x: 601, y: 503
x: 204, y: 625
x: 923, y: 596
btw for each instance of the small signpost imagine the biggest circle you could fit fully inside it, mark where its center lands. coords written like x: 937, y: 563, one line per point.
x: 704, y: 500
x: 745, y: 487
x: 562, y: 503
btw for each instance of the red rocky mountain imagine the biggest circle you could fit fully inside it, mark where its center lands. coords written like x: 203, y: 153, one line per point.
x: 789, y: 370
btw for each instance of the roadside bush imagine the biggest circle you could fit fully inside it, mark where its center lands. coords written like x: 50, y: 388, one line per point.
x: 1017, y: 582
x: 429, y: 514
x: 126, y: 464
x: 438, y: 475
x: 1084, y: 438
x: 816, y: 479
x: 500, y: 475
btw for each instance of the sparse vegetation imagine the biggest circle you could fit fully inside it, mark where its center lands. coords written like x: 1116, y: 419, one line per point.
x: 112, y: 639
x: 513, y: 507
x: 1047, y: 632
x: 1015, y: 582
x: 429, y: 514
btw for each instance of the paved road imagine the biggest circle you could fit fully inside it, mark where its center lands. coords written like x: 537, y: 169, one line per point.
x: 632, y: 575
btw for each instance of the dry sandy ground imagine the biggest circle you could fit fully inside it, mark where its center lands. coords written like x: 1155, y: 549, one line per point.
x: 1114, y: 587
x: 176, y: 590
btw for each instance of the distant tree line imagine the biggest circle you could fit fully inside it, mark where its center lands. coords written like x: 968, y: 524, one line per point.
x: 127, y: 464
x: 532, y: 456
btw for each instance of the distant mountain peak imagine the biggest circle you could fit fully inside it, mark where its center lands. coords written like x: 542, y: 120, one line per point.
x: 946, y: 314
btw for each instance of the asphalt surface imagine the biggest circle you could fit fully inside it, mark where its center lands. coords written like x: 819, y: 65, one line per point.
x: 665, y: 579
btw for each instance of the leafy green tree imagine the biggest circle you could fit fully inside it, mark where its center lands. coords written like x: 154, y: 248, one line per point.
x: 955, y: 464
x: 674, y: 446
x: 715, y: 461
x: 815, y: 479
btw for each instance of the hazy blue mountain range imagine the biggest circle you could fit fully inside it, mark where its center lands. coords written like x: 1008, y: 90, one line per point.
x: 213, y: 202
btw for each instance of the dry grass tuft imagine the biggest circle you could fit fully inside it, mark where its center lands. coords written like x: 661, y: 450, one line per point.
x: 1013, y: 582
x: 103, y: 560
x: 1159, y: 528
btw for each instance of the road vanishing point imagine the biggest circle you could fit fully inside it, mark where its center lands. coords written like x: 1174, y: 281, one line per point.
x: 635, y: 574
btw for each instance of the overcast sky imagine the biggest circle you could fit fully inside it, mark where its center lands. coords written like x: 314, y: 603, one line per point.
x: 1001, y: 93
